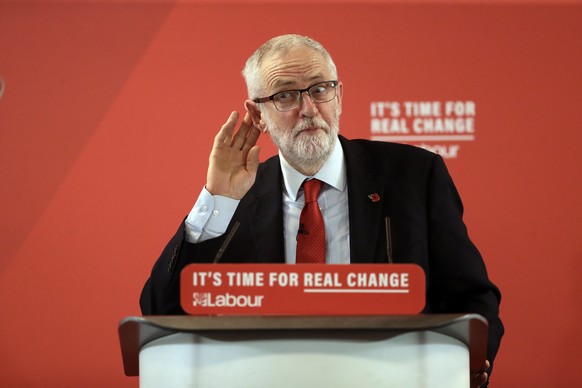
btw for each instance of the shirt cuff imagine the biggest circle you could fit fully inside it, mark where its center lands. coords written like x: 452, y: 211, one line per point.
x: 209, y: 217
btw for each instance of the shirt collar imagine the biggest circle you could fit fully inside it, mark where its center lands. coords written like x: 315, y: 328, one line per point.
x: 333, y: 172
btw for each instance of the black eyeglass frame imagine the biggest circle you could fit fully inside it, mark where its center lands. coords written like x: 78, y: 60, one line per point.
x: 334, y: 84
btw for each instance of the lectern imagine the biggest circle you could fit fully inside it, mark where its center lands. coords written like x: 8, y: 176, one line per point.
x: 411, y: 351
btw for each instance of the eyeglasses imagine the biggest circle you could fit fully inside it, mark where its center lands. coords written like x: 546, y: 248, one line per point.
x: 290, y: 99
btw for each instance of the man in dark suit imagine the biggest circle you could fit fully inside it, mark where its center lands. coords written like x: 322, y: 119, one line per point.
x: 365, y: 184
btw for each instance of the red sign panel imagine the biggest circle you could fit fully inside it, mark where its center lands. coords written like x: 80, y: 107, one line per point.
x: 302, y: 289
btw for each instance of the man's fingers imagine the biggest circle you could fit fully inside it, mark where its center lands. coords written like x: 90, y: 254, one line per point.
x: 478, y: 379
x: 224, y: 136
x: 251, y: 139
x: 241, y: 135
x: 253, y: 160
x: 245, y: 137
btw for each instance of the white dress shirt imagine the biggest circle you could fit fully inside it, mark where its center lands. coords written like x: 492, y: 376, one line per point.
x: 211, y: 215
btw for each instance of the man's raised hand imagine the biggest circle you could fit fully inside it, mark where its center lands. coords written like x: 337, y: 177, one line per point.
x: 234, y: 159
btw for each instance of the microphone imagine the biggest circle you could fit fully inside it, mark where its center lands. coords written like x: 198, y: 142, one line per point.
x: 226, y: 242
x: 301, y: 230
x: 388, y: 231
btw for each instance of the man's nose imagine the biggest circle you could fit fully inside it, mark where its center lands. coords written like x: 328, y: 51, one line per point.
x: 308, y: 107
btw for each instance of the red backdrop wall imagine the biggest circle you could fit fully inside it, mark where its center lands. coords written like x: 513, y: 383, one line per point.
x: 108, y: 113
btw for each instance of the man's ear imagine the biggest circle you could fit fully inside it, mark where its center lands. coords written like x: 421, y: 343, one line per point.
x: 339, y: 95
x: 255, y: 112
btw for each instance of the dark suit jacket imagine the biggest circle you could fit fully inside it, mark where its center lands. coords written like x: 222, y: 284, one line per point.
x: 416, y: 192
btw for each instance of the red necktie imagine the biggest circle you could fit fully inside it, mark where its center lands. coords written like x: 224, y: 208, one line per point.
x: 311, y: 234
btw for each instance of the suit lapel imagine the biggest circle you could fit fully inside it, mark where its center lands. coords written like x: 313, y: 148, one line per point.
x: 366, y: 198
x: 266, y: 214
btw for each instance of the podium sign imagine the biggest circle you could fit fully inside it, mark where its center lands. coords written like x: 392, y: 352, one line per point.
x: 302, y: 289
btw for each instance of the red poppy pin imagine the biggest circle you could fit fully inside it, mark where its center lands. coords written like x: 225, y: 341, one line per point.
x: 374, y: 197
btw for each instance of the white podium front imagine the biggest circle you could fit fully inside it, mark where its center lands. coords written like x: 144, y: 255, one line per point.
x: 364, y: 351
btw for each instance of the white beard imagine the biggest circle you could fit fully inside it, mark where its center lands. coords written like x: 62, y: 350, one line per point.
x: 306, y: 152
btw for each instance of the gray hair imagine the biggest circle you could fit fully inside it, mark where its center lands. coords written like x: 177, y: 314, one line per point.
x: 283, y: 43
